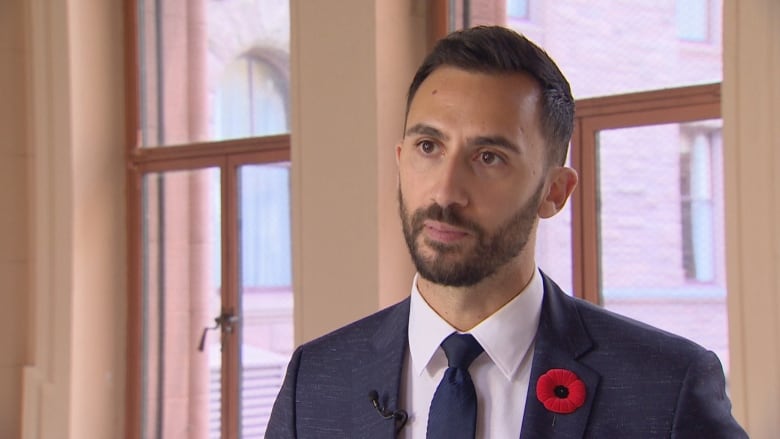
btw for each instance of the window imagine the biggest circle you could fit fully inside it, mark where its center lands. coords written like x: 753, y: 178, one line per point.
x: 517, y: 9
x: 251, y: 100
x: 210, y: 305
x: 692, y: 18
x: 700, y: 181
x: 644, y: 234
x: 613, y: 47
x: 645, y: 243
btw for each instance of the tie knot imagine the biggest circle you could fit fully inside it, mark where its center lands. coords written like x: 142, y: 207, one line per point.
x: 461, y: 350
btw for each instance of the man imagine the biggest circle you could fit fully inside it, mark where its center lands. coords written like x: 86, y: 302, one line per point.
x: 489, y: 118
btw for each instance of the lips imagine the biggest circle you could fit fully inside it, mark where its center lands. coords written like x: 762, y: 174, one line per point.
x: 443, y: 232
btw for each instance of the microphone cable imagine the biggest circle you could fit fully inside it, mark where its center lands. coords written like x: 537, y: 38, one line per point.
x: 400, y: 416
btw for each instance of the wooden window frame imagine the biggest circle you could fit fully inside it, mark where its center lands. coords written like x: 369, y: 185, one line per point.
x: 683, y: 104
x: 228, y: 156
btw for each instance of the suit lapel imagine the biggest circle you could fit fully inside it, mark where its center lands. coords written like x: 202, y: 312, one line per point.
x: 381, y: 372
x: 560, y: 341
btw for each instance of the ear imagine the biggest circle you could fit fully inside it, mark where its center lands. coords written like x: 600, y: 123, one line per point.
x: 562, y: 181
x: 398, y: 152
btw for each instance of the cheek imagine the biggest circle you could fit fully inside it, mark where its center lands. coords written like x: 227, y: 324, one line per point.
x: 408, y: 190
x: 414, y: 163
x: 497, y: 214
x: 412, y: 181
x: 497, y: 204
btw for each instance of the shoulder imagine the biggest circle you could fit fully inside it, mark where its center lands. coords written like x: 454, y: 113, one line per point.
x: 388, y: 322
x: 607, y: 328
x: 602, y: 332
x: 349, y: 356
x: 631, y: 354
x: 648, y: 373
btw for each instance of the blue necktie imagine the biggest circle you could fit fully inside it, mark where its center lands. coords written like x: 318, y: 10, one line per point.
x: 453, y: 412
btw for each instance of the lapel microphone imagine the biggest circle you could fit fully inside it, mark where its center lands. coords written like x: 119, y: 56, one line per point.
x: 400, y: 416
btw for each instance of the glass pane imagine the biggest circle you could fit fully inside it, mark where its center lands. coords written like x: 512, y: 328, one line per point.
x: 517, y: 9
x: 606, y: 47
x: 265, y: 290
x: 661, y: 228
x: 692, y: 19
x: 212, y: 70
x: 181, y: 297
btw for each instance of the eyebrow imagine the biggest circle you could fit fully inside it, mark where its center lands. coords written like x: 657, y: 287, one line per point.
x: 498, y: 141
x: 426, y: 130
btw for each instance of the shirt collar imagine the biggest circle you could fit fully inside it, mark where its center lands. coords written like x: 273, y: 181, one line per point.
x: 506, y: 335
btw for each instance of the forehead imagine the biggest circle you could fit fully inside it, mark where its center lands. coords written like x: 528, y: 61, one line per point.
x: 451, y: 92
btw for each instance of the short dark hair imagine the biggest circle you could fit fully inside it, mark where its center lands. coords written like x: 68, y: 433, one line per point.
x: 495, y: 49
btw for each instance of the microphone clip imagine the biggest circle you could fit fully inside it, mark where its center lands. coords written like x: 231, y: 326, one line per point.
x: 400, y: 416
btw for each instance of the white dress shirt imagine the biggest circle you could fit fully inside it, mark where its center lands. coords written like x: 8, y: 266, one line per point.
x: 500, y: 374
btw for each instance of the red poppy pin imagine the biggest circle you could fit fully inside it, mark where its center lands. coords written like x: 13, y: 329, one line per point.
x: 561, y: 391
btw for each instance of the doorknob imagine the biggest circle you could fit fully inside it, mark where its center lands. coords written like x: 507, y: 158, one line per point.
x: 226, y: 321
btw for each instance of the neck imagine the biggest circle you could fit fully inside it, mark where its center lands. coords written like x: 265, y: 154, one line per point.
x: 465, y: 307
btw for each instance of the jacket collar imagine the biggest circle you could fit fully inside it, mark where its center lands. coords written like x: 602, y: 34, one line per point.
x: 561, y: 341
x: 381, y: 373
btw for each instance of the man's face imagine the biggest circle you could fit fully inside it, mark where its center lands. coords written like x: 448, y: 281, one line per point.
x: 471, y: 174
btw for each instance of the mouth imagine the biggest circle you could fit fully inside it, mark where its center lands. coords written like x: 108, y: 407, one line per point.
x: 443, y: 232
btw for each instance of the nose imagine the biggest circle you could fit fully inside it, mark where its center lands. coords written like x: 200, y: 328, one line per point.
x: 451, y: 184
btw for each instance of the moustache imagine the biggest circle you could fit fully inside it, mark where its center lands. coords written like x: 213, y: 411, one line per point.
x: 446, y: 215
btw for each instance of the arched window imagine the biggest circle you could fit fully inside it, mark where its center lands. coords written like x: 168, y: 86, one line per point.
x: 251, y: 100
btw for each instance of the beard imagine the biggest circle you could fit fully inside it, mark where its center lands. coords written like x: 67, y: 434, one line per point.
x: 491, y: 251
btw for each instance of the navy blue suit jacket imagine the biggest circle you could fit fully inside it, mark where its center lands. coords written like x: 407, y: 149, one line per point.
x: 641, y: 382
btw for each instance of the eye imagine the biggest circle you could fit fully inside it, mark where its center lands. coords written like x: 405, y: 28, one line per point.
x: 490, y: 158
x: 426, y: 147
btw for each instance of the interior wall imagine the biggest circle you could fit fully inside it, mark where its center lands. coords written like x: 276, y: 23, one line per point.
x: 351, y: 63
x: 333, y: 163
x: 46, y: 381
x: 14, y: 215
x: 401, y: 45
x: 73, y: 379
x: 98, y: 209
x: 751, y: 105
